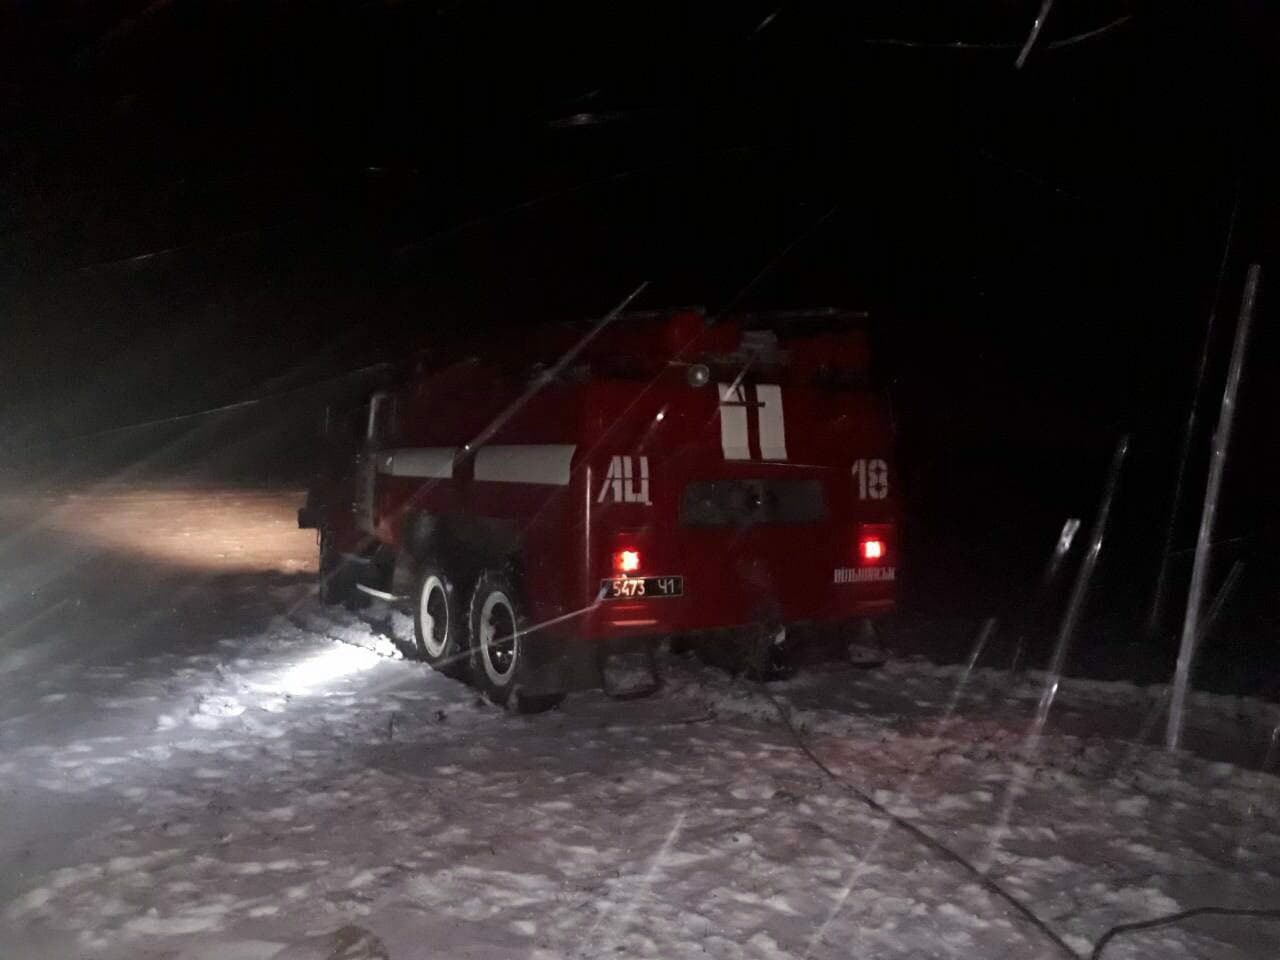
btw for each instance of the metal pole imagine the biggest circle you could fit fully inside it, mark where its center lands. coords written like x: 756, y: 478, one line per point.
x: 1081, y: 588
x: 1031, y: 616
x: 1156, y: 615
x: 1217, y: 463
x: 1036, y: 26
x: 1220, y: 601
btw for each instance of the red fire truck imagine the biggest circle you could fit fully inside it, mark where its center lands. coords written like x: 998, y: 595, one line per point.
x: 653, y: 475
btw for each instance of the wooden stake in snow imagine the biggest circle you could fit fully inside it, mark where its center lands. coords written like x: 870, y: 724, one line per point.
x: 1217, y: 461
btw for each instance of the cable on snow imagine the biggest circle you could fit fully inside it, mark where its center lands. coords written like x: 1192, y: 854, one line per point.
x: 1172, y: 918
x: 922, y: 837
x: 937, y: 846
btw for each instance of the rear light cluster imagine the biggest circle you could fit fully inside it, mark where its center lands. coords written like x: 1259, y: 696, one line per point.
x: 626, y: 561
x: 874, y: 542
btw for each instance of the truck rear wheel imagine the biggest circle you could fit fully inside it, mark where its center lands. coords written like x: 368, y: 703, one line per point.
x: 438, y: 622
x: 498, y: 637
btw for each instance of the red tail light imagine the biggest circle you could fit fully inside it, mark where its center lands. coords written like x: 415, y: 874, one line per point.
x: 871, y: 549
x: 626, y: 561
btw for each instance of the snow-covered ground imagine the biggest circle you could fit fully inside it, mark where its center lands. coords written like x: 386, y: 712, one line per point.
x: 196, y: 761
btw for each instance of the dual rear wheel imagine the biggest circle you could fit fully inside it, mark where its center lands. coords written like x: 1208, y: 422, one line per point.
x: 483, y: 640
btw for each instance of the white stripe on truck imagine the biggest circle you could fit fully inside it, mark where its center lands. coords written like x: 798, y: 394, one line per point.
x: 773, y: 431
x: 433, y: 462
x: 546, y: 463
x: 733, y: 423
x: 735, y: 440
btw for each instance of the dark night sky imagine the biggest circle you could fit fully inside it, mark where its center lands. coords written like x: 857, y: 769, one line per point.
x: 203, y: 202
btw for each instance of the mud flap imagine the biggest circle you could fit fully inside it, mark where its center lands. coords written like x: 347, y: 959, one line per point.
x: 864, y: 648
x: 548, y: 666
x: 629, y: 673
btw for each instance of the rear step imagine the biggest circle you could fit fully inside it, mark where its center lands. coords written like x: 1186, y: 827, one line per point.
x: 380, y: 594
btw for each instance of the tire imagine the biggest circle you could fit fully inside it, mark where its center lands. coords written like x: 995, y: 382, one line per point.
x: 439, y: 628
x: 770, y: 655
x: 759, y: 653
x: 498, y: 624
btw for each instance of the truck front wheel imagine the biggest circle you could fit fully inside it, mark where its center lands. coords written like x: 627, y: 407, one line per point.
x: 438, y: 627
x: 498, y: 637
x: 338, y: 576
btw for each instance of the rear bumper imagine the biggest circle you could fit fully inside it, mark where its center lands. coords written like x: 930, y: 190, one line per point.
x: 618, y: 620
x: 559, y: 662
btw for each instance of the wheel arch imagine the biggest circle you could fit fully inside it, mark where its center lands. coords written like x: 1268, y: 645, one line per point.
x: 468, y: 545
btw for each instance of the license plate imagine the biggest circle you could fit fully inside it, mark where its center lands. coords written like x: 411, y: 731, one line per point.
x: 633, y: 588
